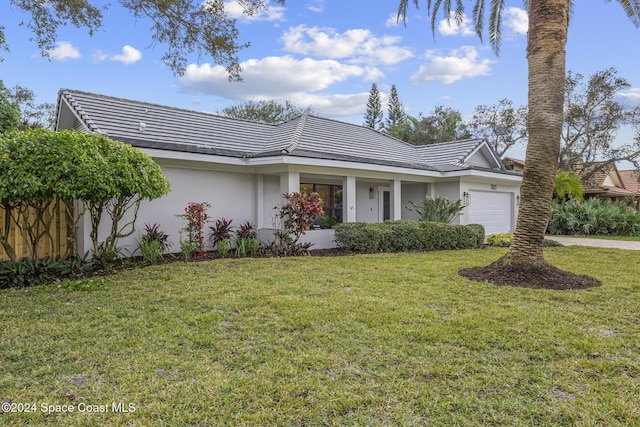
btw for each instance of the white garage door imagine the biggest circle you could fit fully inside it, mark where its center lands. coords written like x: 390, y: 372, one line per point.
x: 491, y: 209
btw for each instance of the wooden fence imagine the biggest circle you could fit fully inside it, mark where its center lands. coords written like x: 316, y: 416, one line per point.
x: 57, y: 244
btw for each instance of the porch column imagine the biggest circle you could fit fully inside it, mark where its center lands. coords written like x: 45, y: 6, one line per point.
x: 396, y: 199
x: 259, y: 202
x: 349, y: 199
x: 289, y: 182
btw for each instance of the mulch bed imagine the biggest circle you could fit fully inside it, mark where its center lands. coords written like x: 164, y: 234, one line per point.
x: 544, y: 276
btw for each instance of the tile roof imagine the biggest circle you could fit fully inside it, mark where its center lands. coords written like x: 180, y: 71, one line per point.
x: 630, y: 180
x: 154, y: 126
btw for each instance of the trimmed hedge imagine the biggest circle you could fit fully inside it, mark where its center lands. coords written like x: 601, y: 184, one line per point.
x: 404, y: 235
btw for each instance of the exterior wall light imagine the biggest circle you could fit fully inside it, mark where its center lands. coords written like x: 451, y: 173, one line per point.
x: 518, y: 200
x: 372, y: 193
x: 465, y: 197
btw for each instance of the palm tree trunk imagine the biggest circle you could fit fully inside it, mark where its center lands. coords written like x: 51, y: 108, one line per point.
x: 546, y: 55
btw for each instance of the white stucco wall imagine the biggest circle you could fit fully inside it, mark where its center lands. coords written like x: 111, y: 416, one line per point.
x: 231, y: 195
x: 415, y: 193
x: 451, y: 190
x: 366, y: 208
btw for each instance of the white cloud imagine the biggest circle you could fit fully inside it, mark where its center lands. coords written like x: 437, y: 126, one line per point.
x: 62, y: 51
x: 270, y: 12
x: 459, y: 64
x: 393, y: 21
x: 355, y: 45
x: 316, y: 6
x: 129, y: 55
x: 632, y: 97
x: 451, y: 28
x: 516, y: 19
x: 271, y: 77
x: 333, y: 105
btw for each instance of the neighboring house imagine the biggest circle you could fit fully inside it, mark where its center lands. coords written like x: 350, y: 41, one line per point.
x: 630, y: 180
x: 242, y: 168
x: 601, y: 179
x: 512, y: 164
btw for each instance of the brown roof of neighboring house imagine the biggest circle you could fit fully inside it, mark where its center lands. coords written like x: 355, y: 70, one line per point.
x: 593, y: 175
x: 514, y: 162
x: 630, y: 180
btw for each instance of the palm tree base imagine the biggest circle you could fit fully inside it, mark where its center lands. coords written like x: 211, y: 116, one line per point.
x: 525, y: 275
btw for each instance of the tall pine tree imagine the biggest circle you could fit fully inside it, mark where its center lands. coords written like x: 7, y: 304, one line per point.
x: 396, y: 123
x: 395, y: 110
x: 374, y: 115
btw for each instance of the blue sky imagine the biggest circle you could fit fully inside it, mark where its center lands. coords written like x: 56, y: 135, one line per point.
x: 322, y: 53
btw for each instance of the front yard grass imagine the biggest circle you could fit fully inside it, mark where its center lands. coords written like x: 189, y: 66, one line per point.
x: 385, y: 339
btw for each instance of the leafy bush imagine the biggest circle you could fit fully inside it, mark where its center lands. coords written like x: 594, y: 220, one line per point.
x: 439, y: 209
x: 29, y: 272
x: 406, y: 235
x: 246, y: 230
x: 221, y: 231
x: 153, y: 233
x: 500, y: 239
x: 594, y: 217
x: 292, y: 220
x: 504, y: 240
x: 150, y: 251
x: 223, y: 247
x: 196, y: 216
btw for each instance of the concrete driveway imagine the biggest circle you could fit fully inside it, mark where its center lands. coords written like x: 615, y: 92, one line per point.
x: 598, y: 243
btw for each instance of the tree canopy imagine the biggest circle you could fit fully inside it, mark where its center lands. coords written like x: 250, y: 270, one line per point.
x: 183, y: 26
x: 38, y: 166
x: 263, y: 110
x: 593, y: 115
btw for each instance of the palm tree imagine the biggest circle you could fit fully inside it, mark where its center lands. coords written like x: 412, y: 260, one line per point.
x: 567, y: 184
x: 546, y: 56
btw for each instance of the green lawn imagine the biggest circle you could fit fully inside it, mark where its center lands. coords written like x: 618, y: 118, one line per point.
x: 384, y: 339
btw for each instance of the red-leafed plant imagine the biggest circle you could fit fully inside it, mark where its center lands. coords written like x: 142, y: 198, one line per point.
x: 293, y: 219
x: 192, y: 236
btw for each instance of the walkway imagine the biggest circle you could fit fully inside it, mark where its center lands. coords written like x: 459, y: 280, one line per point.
x: 599, y: 243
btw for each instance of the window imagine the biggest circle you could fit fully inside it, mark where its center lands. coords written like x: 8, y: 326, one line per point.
x: 331, y: 196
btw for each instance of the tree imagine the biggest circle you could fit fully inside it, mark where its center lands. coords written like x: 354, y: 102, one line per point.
x: 443, y: 125
x: 546, y: 58
x: 373, y: 116
x: 567, y: 184
x: 9, y: 111
x: 184, y: 26
x: 396, y: 117
x: 267, y: 111
x: 33, y: 115
x: 592, y: 117
x: 39, y: 166
x: 501, y: 125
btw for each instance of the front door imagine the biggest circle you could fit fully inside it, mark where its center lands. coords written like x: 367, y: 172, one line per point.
x: 384, y: 207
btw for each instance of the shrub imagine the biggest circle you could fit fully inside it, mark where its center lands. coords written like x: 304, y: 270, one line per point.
x: 292, y: 220
x: 500, y: 239
x: 504, y: 240
x: 196, y: 216
x: 246, y: 231
x: 594, y: 217
x: 223, y: 248
x: 29, y: 272
x: 439, y: 209
x: 221, y: 231
x: 150, y: 251
x: 153, y: 233
x: 406, y: 235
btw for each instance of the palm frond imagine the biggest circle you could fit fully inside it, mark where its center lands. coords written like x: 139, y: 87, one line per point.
x: 478, y: 18
x: 631, y: 9
x: 495, y: 24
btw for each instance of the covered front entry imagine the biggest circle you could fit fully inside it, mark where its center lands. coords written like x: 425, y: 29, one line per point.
x: 492, y: 209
